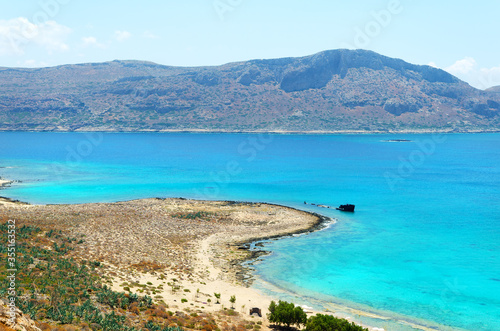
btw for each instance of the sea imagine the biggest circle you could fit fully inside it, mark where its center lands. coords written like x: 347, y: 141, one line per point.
x: 421, y: 250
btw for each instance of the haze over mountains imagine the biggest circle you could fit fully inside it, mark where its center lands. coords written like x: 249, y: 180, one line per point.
x: 337, y: 90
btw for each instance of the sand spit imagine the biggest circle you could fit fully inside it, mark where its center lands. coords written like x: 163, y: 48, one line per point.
x: 169, y: 232
x: 7, y: 201
x: 4, y: 182
x: 178, y: 251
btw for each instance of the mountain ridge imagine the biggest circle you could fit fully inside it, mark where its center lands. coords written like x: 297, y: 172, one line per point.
x: 331, y: 91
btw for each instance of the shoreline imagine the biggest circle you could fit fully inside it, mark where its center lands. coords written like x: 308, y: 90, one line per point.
x: 4, y: 182
x: 221, y: 261
x: 368, y: 317
x: 245, y: 273
x: 284, y: 132
x: 9, y: 201
x: 203, y: 262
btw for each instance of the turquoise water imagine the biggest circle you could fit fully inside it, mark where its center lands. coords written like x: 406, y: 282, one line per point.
x: 423, y: 244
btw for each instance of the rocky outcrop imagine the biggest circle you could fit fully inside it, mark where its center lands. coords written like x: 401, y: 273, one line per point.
x: 398, y: 107
x: 22, y: 322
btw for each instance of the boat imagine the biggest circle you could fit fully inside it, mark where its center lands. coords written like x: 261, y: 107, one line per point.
x: 347, y: 207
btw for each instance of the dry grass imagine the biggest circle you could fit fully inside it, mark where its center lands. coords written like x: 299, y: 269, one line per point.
x: 153, y: 234
x: 164, y: 238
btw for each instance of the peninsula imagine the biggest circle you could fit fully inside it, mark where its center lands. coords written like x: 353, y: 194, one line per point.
x: 185, y: 255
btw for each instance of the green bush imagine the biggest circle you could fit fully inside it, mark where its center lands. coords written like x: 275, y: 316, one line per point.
x: 331, y: 323
x: 286, y: 313
x: 58, y: 288
x: 150, y: 326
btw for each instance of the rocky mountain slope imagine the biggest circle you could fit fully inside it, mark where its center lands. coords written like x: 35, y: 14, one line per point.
x: 337, y: 90
x: 493, y: 89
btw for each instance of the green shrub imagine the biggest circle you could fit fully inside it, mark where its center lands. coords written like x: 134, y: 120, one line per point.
x: 331, y: 323
x: 66, y: 285
x: 286, y: 313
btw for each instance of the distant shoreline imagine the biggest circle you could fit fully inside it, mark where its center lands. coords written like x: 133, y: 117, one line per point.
x: 4, y: 182
x: 291, y: 132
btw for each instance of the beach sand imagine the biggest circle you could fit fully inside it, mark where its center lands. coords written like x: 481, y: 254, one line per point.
x: 4, y: 182
x: 173, y: 249
x: 180, y: 252
x: 6, y: 201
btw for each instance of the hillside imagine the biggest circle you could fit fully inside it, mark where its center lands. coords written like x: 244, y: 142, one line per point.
x: 337, y: 90
x: 493, y: 89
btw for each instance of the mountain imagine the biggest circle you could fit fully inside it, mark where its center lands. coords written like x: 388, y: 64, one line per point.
x: 336, y: 90
x: 493, y: 89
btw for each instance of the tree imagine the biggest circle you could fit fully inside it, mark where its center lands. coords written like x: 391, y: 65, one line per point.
x: 232, y: 300
x: 217, y: 296
x: 331, y: 323
x: 286, y: 313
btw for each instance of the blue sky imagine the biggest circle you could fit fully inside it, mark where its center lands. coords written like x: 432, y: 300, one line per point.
x: 458, y: 36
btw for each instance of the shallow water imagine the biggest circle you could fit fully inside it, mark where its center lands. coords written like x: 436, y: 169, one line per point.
x: 422, y: 245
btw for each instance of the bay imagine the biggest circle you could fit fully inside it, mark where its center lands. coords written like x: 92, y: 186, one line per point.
x: 422, y: 245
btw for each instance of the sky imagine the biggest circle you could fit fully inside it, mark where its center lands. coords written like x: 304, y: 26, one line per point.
x: 459, y: 36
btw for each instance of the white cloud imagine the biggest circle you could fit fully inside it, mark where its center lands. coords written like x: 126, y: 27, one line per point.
x: 463, y: 66
x: 432, y: 64
x: 122, y: 35
x: 91, y: 42
x: 468, y: 70
x: 17, y: 33
x: 489, y: 77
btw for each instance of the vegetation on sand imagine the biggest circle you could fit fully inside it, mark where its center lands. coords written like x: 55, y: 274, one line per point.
x: 58, y: 291
x: 285, y: 313
x: 331, y: 323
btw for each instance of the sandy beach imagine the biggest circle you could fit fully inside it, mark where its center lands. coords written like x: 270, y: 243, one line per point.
x: 7, y: 201
x: 4, y: 182
x: 180, y: 252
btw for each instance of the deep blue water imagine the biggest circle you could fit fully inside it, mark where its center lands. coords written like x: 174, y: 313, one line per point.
x: 423, y: 244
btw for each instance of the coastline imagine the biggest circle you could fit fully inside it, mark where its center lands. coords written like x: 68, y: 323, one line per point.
x: 291, y: 132
x: 8, y: 201
x: 133, y: 239
x: 11, y: 202
x: 18, y: 193
x: 374, y: 320
x: 4, y: 182
x: 215, y: 263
